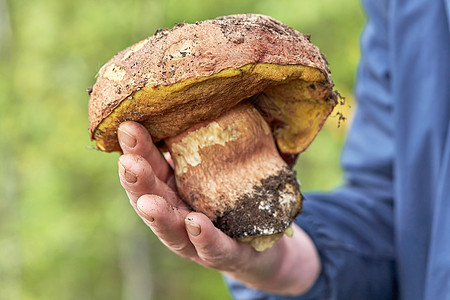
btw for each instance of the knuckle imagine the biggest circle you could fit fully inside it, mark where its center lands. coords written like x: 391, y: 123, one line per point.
x: 223, y: 261
x: 183, y: 249
x: 213, y: 258
x: 134, y: 193
x: 179, y: 247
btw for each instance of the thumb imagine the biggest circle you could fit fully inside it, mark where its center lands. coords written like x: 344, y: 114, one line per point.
x: 214, y: 248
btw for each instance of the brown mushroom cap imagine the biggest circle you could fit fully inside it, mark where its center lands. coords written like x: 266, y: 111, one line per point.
x: 195, y: 72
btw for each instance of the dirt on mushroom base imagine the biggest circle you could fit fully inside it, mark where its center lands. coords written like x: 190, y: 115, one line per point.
x: 254, y: 215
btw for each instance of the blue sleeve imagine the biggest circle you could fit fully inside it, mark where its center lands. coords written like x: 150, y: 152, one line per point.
x: 352, y: 226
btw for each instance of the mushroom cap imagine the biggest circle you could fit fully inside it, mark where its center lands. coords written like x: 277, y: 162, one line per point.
x: 194, y: 72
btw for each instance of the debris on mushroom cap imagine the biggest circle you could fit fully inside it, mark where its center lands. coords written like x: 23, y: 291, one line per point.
x: 195, y: 72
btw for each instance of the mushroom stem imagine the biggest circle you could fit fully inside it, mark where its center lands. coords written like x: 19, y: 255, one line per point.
x: 230, y: 170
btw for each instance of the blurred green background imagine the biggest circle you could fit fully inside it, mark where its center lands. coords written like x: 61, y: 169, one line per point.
x: 66, y: 228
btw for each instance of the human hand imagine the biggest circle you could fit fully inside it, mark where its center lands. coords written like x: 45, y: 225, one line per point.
x: 289, y: 267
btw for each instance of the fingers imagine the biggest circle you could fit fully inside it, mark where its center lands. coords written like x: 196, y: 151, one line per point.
x: 214, y: 248
x: 192, y: 235
x: 135, y: 139
x: 149, y: 182
x: 137, y: 178
x: 156, y: 203
x: 167, y: 222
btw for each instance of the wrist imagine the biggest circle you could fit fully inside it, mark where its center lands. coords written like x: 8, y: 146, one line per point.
x: 290, y: 267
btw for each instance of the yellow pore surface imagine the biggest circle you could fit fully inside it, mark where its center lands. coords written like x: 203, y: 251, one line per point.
x: 292, y: 96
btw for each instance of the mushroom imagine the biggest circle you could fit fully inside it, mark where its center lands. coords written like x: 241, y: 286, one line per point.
x: 231, y: 99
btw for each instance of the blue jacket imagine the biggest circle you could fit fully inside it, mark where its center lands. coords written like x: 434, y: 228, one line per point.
x: 386, y: 233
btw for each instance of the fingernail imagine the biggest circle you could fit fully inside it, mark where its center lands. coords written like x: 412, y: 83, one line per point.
x: 126, y: 138
x: 192, y: 227
x: 140, y: 207
x: 145, y: 215
x: 129, y: 176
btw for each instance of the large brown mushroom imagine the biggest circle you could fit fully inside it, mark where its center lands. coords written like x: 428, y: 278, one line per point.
x: 228, y: 98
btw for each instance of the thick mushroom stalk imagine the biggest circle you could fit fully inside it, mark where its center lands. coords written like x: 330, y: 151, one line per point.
x: 230, y: 170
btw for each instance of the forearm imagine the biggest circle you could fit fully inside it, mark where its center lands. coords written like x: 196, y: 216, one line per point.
x: 289, y: 268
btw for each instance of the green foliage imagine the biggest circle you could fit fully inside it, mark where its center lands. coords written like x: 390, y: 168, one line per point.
x: 66, y: 228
